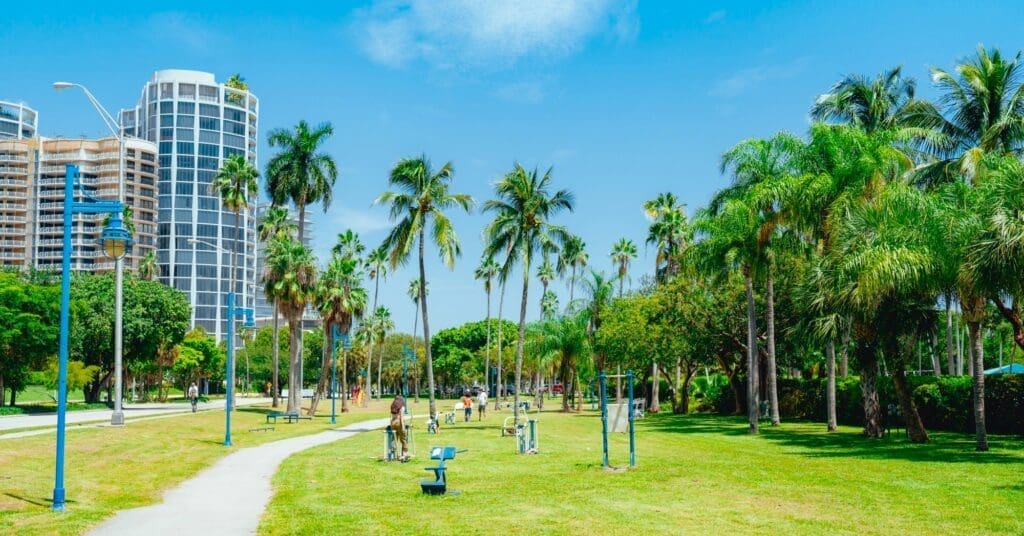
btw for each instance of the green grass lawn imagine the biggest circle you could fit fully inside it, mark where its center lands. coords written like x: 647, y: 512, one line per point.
x: 695, y: 474
x: 110, y: 469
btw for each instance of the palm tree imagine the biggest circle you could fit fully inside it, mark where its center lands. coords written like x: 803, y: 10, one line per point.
x: 522, y: 229
x: 290, y: 278
x: 486, y: 272
x: 548, y: 305
x: 147, y: 266
x: 885, y: 103
x: 349, y: 245
x: 669, y: 233
x: 759, y: 168
x: 573, y: 256
x: 377, y: 264
x: 275, y: 224
x: 422, y: 198
x: 414, y: 294
x: 566, y: 338
x: 299, y: 172
x: 600, y: 290
x: 340, y: 299
x: 623, y: 252
x: 382, y: 325
x: 546, y: 274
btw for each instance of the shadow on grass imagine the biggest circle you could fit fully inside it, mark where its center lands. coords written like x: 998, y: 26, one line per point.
x: 41, y: 501
x: 945, y: 447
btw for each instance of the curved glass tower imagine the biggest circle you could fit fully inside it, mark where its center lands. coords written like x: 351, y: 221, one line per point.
x: 196, y: 123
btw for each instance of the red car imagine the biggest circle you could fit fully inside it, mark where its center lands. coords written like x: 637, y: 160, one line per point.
x: 556, y: 388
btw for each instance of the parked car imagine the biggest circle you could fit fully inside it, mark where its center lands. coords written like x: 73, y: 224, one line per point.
x: 556, y: 389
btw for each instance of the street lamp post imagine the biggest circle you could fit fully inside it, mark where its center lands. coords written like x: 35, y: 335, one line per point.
x: 115, y: 240
x: 336, y: 337
x: 117, y: 417
x: 233, y: 312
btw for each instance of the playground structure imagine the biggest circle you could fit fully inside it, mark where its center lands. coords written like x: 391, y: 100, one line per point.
x: 631, y: 415
x: 439, y: 485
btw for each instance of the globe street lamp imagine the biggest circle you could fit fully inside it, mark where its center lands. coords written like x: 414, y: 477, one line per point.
x: 114, y: 240
x: 117, y: 417
x: 233, y: 312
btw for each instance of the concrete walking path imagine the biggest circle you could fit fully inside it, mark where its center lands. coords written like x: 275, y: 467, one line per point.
x: 227, y: 498
x: 15, y: 422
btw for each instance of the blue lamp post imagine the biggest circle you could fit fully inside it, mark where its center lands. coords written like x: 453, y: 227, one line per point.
x: 336, y: 336
x: 115, y: 240
x: 247, y: 314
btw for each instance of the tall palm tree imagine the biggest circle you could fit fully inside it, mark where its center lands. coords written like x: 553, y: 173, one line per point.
x: 522, y: 229
x: 300, y: 173
x: 147, y: 266
x: 421, y: 199
x: 548, y: 305
x: 382, y: 325
x: 886, y: 102
x: 290, y: 278
x: 340, y: 299
x: 349, y: 245
x: 566, y: 337
x: 486, y: 272
x: 669, y: 232
x: 623, y: 252
x: 546, y: 274
x: 599, y: 289
x: 376, y: 262
x: 414, y: 294
x: 573, y: 257
x: 275, y: 224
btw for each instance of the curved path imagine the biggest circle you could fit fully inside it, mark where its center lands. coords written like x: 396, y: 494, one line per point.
x: 230, y: 496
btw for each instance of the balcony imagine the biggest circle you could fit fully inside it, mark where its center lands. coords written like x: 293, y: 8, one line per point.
x: 12, y: 219
x: 12, y: 243
x: 13, y: 158
x: 20, y: 207
x: 11, y: 255
x: 4, y: 194
x: 13, y: 169
x: 14, y: 182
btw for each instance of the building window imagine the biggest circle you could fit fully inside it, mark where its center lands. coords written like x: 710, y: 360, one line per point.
x: 187, y: 108
x: 209, y: 123
x: 186, y: 121
x: 206, y: 149
x: 167, y: 120
x: 186, y: 161
x: 209, y: 110
x: 185, y: 147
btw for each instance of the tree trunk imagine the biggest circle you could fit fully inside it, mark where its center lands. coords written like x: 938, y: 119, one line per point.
x: 684, y: 401
x: 426, y: 328
x: 911, y: 418
x: 1012, y: 314
x: 873, y: 426
x: 563, y: 377
x: 752, y: 362
x: 500, y: 379
x: 936, y: 365
x: 950, y: 350
x: 773, y: 389
x: 978, y: 376
x: 344, y: 380
x: 830, y: 391
x: 325, y: 373
x: 14, y: 396
x: 231, y: 288
x: 380, y: 365
x: 655, y: 388
x: 295, y: 363
x: 275, y: 352
x: 521, y: 337
x: 1, y: 390
x: 487, y: 347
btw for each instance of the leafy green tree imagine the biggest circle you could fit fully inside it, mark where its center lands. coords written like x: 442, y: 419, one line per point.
x: 78, y: 375
x: 340, y: 299
x: 147, y: 266
x: 29, y: 320
x: 421, y: 199
x: 300, y: 172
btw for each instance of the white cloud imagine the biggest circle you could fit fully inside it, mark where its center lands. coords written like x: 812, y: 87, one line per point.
x: 451, y: 33
x: 745, y: 79
x: 715, y: 16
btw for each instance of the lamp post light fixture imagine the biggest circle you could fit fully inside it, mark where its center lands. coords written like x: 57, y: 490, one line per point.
x: 115, y: 240
x: 337, y: 337
x: 117, y: 417
x: 233, y: 312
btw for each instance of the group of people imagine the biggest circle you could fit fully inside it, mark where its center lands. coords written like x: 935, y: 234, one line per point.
x: 397, y: 423
x: 467, y: 405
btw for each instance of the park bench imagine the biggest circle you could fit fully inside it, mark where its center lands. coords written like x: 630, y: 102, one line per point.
x: 439, y: 484
x: 262, y: 429
x: 638, y: 408
x: 289, y: 417
x: 894, y: 419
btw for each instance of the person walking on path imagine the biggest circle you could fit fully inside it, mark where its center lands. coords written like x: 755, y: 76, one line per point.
x: 467, y: 405
x: 398, y: 425
x: 481, y: 405
x: 193, y: 396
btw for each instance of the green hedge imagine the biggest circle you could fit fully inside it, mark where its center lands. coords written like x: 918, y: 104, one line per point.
x: 945, y: 402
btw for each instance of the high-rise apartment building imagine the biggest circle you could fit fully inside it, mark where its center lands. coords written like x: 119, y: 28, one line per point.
x: 196, y: 123
x: 32, y: 200
x: 17, y: 121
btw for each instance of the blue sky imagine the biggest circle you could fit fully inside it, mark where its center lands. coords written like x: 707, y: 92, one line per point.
x: 624, y: 99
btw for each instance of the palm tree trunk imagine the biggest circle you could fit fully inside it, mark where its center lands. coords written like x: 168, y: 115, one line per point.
x: 655, y: 388
x: 500, y: 379
x: 521, y: 337
x: 295, y: 362
x: 426, y: 327
x: 936, y: 365
x: 234, y: 252
x: 415, y: 323
x: 487, y: 347
x: 302, y: 227
x: 911, y: 418
x: 873, y: 425
x: 344, y: 381
x: 830, y: 390
x: 380, y: 365
x: 622, y: 276
x: 572, y: 282
x: 844, y: 352
x: 950, y: 350
x: 325, y: 371
x: 773, y: 389
x: 752, y: 364
x: 369, y: 359
x: 978, y: 357
x: 275, y: 352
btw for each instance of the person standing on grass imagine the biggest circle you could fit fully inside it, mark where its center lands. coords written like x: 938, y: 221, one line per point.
x: 467, y: 405
x: 193, y: 396
x: 481, y: 405
x: 398, y: 425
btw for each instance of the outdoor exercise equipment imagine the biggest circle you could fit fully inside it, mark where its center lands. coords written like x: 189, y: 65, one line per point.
x: 391, y: 444
x: 604, y: 417
x: 439, y: 484
x: 525, y: 432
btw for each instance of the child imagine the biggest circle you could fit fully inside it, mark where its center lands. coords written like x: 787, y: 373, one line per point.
x: 467, y: 404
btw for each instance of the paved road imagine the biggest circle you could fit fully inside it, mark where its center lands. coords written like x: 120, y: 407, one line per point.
x: 14, y: 422
x: 244, y: 476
